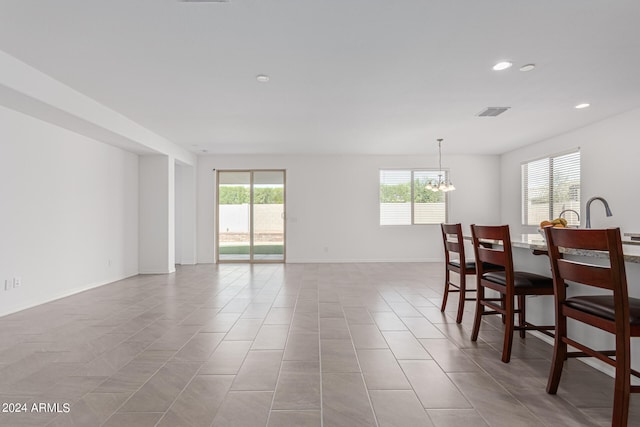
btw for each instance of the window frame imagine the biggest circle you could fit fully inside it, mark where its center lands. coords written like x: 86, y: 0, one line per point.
x: 445, y: 174
x: 525, y: 197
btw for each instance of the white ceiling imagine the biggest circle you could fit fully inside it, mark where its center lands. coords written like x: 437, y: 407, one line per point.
x: 347, y: 76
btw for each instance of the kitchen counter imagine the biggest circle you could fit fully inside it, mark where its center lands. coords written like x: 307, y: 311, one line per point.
x: 536, y: 242
x: 631, y: 249
x: 540, y: 309
x: 635, y: 237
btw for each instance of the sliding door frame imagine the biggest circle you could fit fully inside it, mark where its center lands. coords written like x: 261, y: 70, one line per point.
x: 251, y: 259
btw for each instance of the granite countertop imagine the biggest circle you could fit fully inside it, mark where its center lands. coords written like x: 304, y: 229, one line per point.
x: 635, y: 237
x: 631, y: 249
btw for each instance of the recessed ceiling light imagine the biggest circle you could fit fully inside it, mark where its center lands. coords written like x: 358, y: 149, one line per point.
x: 502, y: 65
x: 262, y: 78
x: 583, y: 105
x: 528, y: 67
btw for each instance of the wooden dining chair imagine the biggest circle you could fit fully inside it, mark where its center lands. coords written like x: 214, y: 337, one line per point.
x: 455, y: 261
x: 613, y: 312
x: 510, y: 285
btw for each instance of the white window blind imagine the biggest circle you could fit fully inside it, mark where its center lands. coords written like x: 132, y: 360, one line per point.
x: 404, y: 200
x: 550, y: 186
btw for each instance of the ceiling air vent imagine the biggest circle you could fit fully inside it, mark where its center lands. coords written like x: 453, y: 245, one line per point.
x: 492, y: 111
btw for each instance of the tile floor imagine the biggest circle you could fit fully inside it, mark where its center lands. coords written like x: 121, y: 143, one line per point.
x: 281, y: 345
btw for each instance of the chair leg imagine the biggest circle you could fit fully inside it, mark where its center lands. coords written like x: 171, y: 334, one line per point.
x: 622, y: 382
x: 508, y: 330
x: 463, y: 296
x: 559, y: 355
x: 447, y: 277
x: 522, y: 318
x: 479, y: 311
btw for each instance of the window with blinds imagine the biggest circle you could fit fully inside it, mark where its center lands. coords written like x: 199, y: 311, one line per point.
x: 404, y: 199
x: 549, y: 186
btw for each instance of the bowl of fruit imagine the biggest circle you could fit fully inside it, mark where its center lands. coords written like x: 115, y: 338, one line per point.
x: 558, y: 223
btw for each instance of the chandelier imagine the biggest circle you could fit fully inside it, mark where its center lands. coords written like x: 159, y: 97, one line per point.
x: 441, y: 184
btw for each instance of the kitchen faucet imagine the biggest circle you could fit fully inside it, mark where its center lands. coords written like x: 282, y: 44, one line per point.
x: 570, y: 210
x: 588, y: 207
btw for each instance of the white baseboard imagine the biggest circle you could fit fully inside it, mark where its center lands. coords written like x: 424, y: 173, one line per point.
x: 357, y: 261
x: 173, y: 270
x: 39, y: 301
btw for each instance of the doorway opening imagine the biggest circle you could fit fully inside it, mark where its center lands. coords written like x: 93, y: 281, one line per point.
x: 250, y: 219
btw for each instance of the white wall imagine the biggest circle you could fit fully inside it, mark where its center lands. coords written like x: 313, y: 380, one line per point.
x: 352, y: 232
x: 610, y: 167
x: 185, y: 214
x: 610, y: 156
x: 178, y: 214
x: 65, y: 171
x: 157, y: 215
x: 69, y: 211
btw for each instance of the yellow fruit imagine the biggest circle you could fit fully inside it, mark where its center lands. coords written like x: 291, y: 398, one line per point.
x: 559, y: 221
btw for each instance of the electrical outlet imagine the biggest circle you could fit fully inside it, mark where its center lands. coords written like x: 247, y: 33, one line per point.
x: 17, y: 282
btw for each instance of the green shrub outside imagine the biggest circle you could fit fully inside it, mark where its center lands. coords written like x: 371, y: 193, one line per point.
x: 238, y: 195
x: 401, y: 193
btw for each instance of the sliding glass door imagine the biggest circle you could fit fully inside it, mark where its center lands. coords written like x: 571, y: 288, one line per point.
x: 250, y: 224
x: 268, y: 216
x: 234, y: 211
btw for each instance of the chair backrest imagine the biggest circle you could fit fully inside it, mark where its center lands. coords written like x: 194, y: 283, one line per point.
x: 453, y: 242
x: 492, y: 244
x: 612, y: 277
